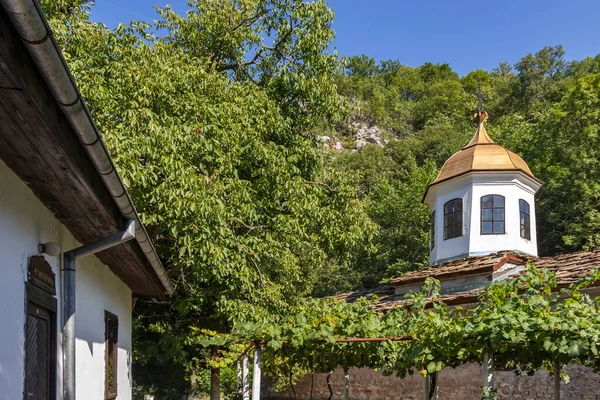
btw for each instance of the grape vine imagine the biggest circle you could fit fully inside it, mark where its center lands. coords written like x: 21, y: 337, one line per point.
x: 530, y: 323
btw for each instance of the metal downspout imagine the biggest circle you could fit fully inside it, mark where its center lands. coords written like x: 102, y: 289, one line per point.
x: 68, y: 334
x: 31, y: 25
x: 68, y: 330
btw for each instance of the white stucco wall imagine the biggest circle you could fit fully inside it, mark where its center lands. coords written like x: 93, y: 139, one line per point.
x: 471, y: 187
x: 25, y: 222
x: 458, y: 246
x: 512, y: 191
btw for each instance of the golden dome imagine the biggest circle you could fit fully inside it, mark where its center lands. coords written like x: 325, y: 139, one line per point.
x: 482, y: 154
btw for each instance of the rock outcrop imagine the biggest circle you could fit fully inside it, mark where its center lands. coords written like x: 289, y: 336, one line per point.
x: 367, y: 134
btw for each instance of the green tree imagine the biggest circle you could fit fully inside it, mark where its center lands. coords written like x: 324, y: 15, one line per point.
x: 537, y: 79
x: 223, y: 170
x: 279, y: 45
x: 361, y: 66
x: 570, y: 168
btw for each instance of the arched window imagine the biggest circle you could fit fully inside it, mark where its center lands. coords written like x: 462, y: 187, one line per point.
x: 492, y: 215
x: 524, y: 219
x: 453, y: 219
x: 432, y: 231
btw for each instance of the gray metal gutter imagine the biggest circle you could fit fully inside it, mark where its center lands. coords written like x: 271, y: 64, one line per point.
x: 31, y: 25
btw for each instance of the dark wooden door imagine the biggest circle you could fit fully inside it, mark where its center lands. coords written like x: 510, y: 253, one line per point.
x: 40, y: 354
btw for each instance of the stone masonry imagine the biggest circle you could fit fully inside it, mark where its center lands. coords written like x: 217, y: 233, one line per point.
x: 463, y: 383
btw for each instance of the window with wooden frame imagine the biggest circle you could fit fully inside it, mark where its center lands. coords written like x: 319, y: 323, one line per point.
x: 111, y: 326
x: 432, y: 231
x: 492, y: 215
x: 453, y: 219
x: 524, y: 219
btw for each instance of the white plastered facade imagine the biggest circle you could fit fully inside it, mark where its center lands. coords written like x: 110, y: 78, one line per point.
x: 471, y: 187
x: 25, y: 222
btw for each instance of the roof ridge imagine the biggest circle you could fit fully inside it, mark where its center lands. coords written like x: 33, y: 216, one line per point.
x: 481, y: 136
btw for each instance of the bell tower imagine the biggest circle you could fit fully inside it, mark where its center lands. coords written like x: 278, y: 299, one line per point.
x: 482, y: 201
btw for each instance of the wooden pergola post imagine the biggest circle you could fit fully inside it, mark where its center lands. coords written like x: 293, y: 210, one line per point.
x: 430, y: 387
x: 215, y: 377
x: 238, y: 381
x: 256, y: 372
x: 556, y: 380
x: 346, y: 383
x: 245, y: 379
x: 488, y: 368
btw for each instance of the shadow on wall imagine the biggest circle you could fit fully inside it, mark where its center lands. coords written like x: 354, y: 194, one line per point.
x: 11, y: 364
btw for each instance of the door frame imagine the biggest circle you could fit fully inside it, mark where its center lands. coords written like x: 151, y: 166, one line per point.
x: 45, y: 300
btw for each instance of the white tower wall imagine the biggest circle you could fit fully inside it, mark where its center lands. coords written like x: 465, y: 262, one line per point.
x: 471, y: 187
x: 459, y: 246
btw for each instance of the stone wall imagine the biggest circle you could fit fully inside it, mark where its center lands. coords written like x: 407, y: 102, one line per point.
x: 462, y: 383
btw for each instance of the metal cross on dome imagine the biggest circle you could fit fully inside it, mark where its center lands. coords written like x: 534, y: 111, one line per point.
x: 480, y: 97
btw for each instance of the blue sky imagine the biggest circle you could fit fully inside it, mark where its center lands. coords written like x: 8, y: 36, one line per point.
x: 466, y: 34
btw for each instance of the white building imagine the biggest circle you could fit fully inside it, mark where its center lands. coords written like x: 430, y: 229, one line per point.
x: 482, y: 201
x: 74, y: 255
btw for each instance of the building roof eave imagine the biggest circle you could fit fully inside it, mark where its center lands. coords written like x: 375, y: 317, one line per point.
x: 569, y: 268
x: 435, y: 183
x: 32, y: 27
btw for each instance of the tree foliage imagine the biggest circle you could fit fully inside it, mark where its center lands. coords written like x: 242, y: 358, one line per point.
x: 219, y: 161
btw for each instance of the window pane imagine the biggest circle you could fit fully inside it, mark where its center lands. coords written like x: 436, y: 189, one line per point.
x: 486, y: 228
x: 453, y: 219
x: 499, y: 214
x: 448, y: 220
x: 498, y: 201
x: 498, y: 227
x: 524, y: 206
x: 432, y: 231
x: 525, y: 232
x: 525, y: 221
x: 458, y: 205
x: 458, y: 230
x: 486, y: 215
x: 448, y: 207
x: 487, y: 202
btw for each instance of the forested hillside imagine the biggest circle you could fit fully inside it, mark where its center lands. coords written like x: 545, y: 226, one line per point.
x: 543, y: 107
x: 267, y: 169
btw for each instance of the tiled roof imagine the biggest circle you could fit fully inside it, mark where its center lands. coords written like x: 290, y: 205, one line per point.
x: 384, y: 294
x: 569, y: 268
x: 451, y: 299
x: 464, y: 266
